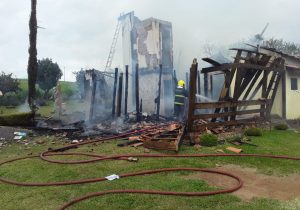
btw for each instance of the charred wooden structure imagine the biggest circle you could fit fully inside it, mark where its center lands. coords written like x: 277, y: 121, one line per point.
x: 248, y: 93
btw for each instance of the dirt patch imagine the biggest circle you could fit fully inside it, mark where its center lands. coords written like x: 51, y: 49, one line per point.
x: 254, y: 184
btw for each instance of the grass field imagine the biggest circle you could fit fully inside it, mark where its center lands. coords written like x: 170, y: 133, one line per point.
x: 23, y: 198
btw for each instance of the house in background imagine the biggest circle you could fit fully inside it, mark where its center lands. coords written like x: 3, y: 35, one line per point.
x: 287, y: 100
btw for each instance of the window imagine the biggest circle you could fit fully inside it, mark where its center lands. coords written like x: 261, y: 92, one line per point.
x: 294, y: 84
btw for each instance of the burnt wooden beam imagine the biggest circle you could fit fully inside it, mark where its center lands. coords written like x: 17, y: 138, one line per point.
x: 211, y: 61
x: 113, y: 112
x: 198, y: 82
x: 227, y: 83
x: 224, y: 114
x: 240, y: 73
x: 206, y: 84
x: 137, y: 96
x: 126, y: 91
x: 222, y: 104
x: 228, y: 123
x: 120, y: 91
x: 192, y: 96
x: 239, y: 65
x: 251, y: 85
x: 92, y: 106
x: 159, y: 90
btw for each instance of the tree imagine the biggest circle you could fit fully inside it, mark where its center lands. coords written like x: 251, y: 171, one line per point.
x: 32, y: 60
x: 48, y: 74
x: 290, y: 48
x: 8, y: 84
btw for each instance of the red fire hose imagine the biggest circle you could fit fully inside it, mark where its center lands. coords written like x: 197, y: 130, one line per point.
x: 45, y: 156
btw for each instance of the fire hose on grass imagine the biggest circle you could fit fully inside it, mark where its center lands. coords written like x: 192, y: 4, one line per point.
x: 95, y: 158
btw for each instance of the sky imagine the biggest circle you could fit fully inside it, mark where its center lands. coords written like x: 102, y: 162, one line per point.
x: 78, y: 33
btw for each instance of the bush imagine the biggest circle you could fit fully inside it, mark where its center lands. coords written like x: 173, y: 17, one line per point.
x: 13, y: 99
x: 281, y: 126
x: 23, y: 119
x: 208, y: 140
x: 253, y: 132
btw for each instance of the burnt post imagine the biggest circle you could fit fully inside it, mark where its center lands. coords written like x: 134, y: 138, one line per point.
x: 113, y: 112
x: 137, y: 96
x: 94, y: 81
x: 159, y: 89
x: 126, y: 90
x: 198, y: 82
x: 192, y: 96
x: 211, y: 85
x: 206, y: 84
x: 120, y: 90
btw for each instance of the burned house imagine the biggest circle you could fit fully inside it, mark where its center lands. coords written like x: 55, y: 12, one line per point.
x: 148, y: 43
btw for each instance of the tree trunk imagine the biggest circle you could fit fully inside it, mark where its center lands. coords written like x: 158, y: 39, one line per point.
x: 32, y: 61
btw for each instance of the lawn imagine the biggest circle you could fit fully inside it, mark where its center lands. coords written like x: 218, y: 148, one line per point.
x: 22, y: 198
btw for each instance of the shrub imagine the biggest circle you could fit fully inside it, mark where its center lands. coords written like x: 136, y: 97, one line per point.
x: 23, y: 119
x: 208, y: 140
x: 253, y: 132
x: 281, y: 126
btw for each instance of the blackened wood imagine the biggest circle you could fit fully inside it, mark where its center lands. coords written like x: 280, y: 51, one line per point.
x: 137, y: 96
x: 199, y: 82
x: 206, y: 84
x: 222, y: 104
x: 120, y: 91
x: 211, y: 61
x: 226, y: 66
x: 223, y: 114
x: 192, y: 96
x: 141, y: 106
x: 227, y: 83
x: 126, y: 90
x: 159, y: 90
x: 113, y: 112
x: 92, y: 106
x: 209, y: 125
x: 211, y: 81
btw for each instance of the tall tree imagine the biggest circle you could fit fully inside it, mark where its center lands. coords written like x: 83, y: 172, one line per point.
x: 48, y: 75
x: 283, y: 46
x: 32, y: 61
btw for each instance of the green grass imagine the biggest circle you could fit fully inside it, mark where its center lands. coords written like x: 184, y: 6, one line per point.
x: 275, y: 142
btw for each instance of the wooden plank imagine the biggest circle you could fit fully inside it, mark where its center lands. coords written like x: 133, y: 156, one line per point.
x: 222, y: 104
x: 219, y: 115
x: 113, y: 111
x: 120, y: 93
x: 211, y: 61
x: 239, y: 65
x: 126, y: 90
x: 228, y: 123
x: 137, y: 95
x: 192, y: 96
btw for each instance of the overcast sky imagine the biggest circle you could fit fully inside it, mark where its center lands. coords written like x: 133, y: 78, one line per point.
x: 78, y: 33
